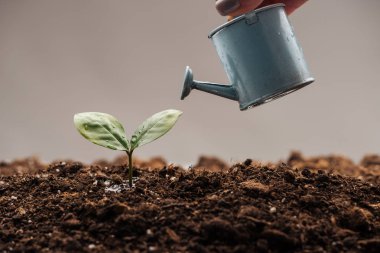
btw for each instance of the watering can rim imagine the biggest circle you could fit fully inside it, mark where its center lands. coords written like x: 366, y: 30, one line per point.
x: 237, y: 19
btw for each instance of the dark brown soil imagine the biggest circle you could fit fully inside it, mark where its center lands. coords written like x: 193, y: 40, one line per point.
x: 321, y: 204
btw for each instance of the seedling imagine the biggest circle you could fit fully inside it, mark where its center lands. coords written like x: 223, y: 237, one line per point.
x: 105, y: 130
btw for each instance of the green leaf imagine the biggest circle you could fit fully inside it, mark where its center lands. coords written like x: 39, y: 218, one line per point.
x: 102, y: 129
x: 154, y: 127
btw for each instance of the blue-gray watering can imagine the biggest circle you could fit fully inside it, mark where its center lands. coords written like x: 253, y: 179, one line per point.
x: 261, y: 56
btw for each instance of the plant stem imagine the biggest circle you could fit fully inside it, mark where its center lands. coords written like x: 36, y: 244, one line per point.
x: 130, y: 167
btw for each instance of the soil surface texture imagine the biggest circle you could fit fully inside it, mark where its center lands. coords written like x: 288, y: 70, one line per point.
x: 317, y: 204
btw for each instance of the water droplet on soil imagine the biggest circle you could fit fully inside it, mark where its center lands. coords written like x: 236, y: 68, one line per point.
x: 116, y: 188
x: 113, y: 188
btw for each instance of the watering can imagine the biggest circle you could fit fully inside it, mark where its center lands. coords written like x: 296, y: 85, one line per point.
x: 261, y: 57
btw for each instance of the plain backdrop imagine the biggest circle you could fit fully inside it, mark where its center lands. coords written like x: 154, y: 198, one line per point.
x: 127, y: 58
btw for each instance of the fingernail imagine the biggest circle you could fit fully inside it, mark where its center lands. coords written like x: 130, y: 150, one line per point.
x: 225, y: 7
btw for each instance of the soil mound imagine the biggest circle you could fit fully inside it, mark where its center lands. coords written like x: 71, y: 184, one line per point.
x: 317, y: 204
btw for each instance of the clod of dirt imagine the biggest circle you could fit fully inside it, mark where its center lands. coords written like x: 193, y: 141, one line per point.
x: 220, y: 230
x: 357, y: 219
x: 279, y: 239
x: 255, y: 188
x: 370, y: 245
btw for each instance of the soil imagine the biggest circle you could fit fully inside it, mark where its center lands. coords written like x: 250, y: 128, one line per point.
x: 317, y: 204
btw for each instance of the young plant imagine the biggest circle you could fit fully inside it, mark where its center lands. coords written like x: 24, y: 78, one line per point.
x: 105, y: 130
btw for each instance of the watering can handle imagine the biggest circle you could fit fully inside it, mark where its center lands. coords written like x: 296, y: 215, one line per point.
x: 251, y: 18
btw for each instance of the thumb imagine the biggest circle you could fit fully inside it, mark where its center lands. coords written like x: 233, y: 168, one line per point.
x: 236, y: 7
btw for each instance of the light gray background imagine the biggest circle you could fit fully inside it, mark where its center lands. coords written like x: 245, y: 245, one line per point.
x: 127, y: 58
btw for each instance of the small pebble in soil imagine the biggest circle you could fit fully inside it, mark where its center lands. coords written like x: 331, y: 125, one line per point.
x: 272, y: 209
x: 248, y: 162
x: 21, y: 211
x: 91, y: 246
x: 152, y: 248
x: 149, y: 232
x: 163, y: 172
x: 13, y: 197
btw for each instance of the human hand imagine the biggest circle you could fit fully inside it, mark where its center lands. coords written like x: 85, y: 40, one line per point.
x: 234, y: 8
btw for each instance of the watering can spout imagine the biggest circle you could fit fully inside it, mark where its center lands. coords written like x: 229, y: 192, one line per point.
x: 226, y: 91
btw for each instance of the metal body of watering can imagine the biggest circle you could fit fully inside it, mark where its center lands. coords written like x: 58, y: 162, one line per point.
x: 261, y: 56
